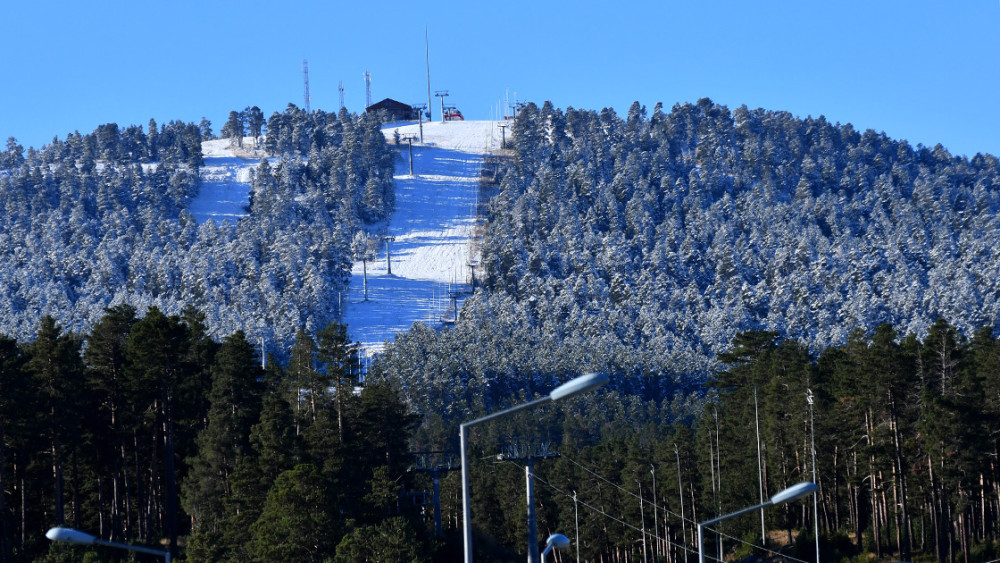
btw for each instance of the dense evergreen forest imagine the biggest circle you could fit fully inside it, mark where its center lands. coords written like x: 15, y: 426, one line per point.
x: 721, y: 266
x: 102, y: 219
x: 642, y: 246
x: 647, y: 247
x: 146, y: 428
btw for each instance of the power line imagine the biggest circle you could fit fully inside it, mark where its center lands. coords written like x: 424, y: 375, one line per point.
x: 663, y: 508
x: 605, y: 514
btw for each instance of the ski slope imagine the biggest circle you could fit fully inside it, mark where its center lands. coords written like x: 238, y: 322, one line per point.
x: 433, y: 225
x: 433, y: 228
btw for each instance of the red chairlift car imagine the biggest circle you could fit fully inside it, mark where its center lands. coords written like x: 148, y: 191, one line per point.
x: 452, y: 114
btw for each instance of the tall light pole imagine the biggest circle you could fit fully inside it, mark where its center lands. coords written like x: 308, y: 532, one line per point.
x: 581, y: 384
x: 791, y: 493
x: 680, y: 494
x: 760, y: 467
x: 557, y: 541
x: 69, y: 535
x: 812, y: 439
x: 642, y: 514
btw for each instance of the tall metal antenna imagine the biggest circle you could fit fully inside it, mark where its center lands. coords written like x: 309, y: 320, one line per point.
x: 305, y: 74
x: 427, y: 54
x: 368, y: 89
x: 340, y: 87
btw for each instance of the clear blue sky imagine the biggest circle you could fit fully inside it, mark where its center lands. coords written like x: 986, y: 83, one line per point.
x: 925, y: 71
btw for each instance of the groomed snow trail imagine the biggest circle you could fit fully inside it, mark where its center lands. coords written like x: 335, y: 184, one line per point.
x: 433, y: 229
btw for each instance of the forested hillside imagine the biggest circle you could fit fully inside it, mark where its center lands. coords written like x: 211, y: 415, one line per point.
x: 102, y: 219
x: 726, y: 268
x: 642, y: 245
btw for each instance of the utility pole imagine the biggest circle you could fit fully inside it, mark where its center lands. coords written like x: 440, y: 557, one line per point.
x: 718, y: 474
x: 642, y: 515
x: 680, y: 495
x: 576, y: 520
x: 441, y: 94
x: 656, y: 524
x: 530, y: 451
x: 503, y: 133
x: 760, y: 467
x: 812, y: 439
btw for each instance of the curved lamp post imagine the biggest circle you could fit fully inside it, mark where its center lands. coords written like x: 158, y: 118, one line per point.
x: 558, y: 541
x: 69, y: 535
x: 572, y: 387
x: 794, y: 492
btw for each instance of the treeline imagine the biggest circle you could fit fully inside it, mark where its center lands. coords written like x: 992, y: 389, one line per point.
x: 906, y: 436
x: 147, y: 431
x: 97, y: 220
x: 670, y: 233
x: 906, y: 433
x: 176, y: 142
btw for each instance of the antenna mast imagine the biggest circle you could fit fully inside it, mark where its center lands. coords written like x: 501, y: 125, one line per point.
x: 368, y: 89
x: 305, y: 74
x: 427, y: 54
x: 340, y: 87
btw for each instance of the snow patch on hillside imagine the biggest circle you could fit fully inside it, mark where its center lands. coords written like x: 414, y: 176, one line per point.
x: 433, y: 224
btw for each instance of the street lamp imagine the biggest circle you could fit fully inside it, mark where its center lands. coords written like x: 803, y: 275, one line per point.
x: 794, y: 492
x: 555, y: 540
x: 69, y: 535
x: 572, y: 387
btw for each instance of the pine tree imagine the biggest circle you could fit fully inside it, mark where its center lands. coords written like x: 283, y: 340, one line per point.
x: 233, y: 129
x: 156, y: 352
x: 338, y: 356
x: 225, y: 441
x: 14, y: 417
x: 56, y: 367
x: 296, y: 523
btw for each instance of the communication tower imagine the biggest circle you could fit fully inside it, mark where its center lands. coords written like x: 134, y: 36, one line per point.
x: 340, y: 87
x: 368, y: 89
x: 305, y: 74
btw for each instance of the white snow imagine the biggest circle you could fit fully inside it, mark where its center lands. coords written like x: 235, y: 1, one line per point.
x: 225, y: 181
x: 433, y: 228
x: 433, y: 224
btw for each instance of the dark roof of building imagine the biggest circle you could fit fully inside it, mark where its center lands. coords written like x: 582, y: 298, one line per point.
x: 389, y: 104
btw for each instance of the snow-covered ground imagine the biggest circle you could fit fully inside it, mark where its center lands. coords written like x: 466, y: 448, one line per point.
x: 433, y: 229
x: 225, y: 182
x: 433, y: 224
